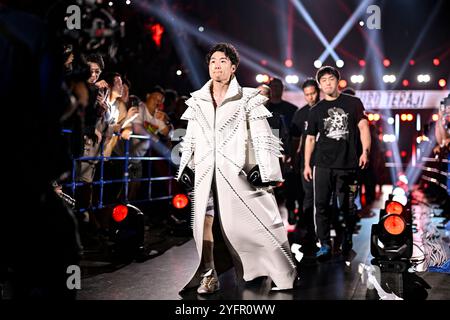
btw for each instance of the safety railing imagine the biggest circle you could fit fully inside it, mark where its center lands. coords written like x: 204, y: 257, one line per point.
x: 126, y: 180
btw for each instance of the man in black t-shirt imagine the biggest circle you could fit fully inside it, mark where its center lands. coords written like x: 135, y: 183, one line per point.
x: 333, y: 127
x: 305, y: 224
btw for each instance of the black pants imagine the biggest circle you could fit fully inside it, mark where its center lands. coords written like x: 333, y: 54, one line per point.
x: 343, y: 183
x: 305, y: 222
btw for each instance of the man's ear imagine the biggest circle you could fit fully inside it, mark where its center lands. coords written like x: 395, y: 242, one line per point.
x: 233, y: 68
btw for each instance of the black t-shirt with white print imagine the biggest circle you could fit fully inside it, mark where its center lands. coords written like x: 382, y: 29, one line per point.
x: 336, y: 123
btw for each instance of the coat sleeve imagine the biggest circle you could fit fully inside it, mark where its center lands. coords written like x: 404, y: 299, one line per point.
x: 187, y: 145
x: 267, y: 147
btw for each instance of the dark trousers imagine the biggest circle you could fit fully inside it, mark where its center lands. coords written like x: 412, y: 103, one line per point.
x: 343, y: 183
x: 305, y: 222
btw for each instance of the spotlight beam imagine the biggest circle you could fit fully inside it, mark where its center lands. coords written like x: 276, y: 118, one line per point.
x: 248, y: 55
x: 304, y: 13
x: 346, y: 28
x: 419, y: 40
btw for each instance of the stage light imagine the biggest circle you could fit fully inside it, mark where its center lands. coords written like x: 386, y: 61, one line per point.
x: 389, y: 137
x: 128, y: 2
x: 362, y: 63
x: 412, y: 62
x: 423, y: 78
x: 398, y: 191
x: 389, y: 78
x: 339, y: 63
x: 405, y: 83
x: 436, y: 61
x: 403, y: 117
x: 262, y: 78
x: 370, y: 117
x: 342, y: 83
x: 288, y: 63
x: 442, y: 83
x: 357, y: 78
x: 120, y: 212
x: 317, y: 64
x: 435, y: 117
x: 179, y: 72
x: 292, y: 79
x: 391, y: 239
x: 403, y: 154
x: 263, y: 62
x: 361, y: 23
x: 180, y: 201
x: 376, y: 117
x: 401, y: 199
x: 390, y: 120
x: 394, y: 224
x: 409, y: 117
x: 110, y: 3
x: 389, y: 153
x: 201, y: 29
x: 386, y: 62
x: 127, y: 233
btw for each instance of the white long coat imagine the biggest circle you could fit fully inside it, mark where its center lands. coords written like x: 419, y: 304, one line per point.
x: 215, y: 147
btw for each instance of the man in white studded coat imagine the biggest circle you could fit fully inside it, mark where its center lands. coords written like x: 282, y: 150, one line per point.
x: 232, y: 158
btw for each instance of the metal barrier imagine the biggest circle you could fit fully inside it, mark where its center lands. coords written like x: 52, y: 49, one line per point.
x: 125, y: 180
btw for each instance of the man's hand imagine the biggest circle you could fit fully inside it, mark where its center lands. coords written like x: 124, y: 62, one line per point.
x: 307, y: 173
x: 101, y: 84
x: 187, y: 179
x: 364, y: 160
x: 254, y: 178
x: 131, y: 112
x: 125, y: 134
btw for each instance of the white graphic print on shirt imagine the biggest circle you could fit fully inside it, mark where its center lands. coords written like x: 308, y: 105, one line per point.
x: 336, y: 125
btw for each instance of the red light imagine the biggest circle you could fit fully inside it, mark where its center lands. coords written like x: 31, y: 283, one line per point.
x: 157, y: 31
x: 342, y: 83
x: 180, y: 201
x: 403, y: 117
x: 394, y: 208
x: 386, y: 62
x: 120, y: 212
x: 405, y: 83
x: 403, y: 153
x: 442, y: 83
x: 435, y: 117
x: 436, y: 61
x: 288, y: 63
x: 263, y: 62
x: 388, y: 153
x: 412, y: 62
x: 394, y: 224
x: 362, y: 63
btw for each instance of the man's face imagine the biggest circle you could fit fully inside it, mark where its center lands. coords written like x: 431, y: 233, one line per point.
x: 310, y: 95
x: 155, y: 101
x: 276, y: 88
x: 329, y: 84
x: 94, y: 70
x: 220, y: 67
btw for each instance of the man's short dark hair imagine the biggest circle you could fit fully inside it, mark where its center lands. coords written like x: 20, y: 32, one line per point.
x: 310, y: 82
x: 157, y: 89
x: 327, y: 70
x: 96, y: 58
x: 228, y: 49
